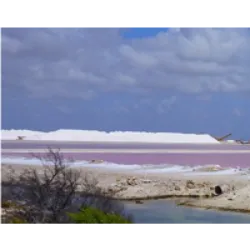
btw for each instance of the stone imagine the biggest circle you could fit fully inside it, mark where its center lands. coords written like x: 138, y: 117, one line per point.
x: 116, y: 188
x: 96, y: 161
x: 131, y: 181
x: 139, y: 202
x: 190, y: 184
x: 177, y: 188
x: 146, y: 181
x: 20, y: 137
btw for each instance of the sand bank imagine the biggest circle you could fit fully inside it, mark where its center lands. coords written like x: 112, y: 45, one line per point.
x: 138, y: 186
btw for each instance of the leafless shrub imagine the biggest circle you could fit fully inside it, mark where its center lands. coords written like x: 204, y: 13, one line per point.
x: 48, y: 193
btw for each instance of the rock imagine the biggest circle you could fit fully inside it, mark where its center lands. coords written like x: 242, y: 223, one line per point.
x: 20, y: 137
x: 190, y: 184
x: 146, y: 181
x: 116, y: 188
x: 96, y: 161
x: 138, y: 202
x: 214, y: 168
x: 122, y: 183
x: 177, y: 188
x: 201, y: 185
x: 131, y: 181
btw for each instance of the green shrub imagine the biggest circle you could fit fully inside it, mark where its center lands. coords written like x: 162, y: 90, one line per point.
x: 7, y: 204
x: 17, y: 220
x: 11, y: 204
x: 92, y: 215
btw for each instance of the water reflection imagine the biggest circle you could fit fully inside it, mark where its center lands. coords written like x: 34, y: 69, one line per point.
x: 166, y: 211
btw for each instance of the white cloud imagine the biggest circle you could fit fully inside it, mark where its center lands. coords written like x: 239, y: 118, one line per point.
x: 70, y: 62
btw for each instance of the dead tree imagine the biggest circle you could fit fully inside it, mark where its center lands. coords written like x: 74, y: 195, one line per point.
x: 48, y: 193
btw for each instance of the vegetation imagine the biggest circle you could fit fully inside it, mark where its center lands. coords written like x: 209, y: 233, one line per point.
x: 57, y: 193
x: 93, y: 215
x: 17, y: 220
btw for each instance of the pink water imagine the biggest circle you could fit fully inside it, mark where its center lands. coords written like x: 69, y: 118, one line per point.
x: 226, y: 160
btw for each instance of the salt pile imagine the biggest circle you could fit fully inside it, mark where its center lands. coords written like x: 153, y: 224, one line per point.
x: 100, y: 136
x: 13, y: 134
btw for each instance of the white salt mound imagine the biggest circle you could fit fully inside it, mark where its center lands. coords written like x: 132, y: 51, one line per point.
x: 13, y: 134
x: 100, y: 136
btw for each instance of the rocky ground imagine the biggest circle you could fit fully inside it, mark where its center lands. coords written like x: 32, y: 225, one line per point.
x: 225, y: 192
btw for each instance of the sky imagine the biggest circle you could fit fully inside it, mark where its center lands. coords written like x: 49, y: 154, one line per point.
x: 135, y: 79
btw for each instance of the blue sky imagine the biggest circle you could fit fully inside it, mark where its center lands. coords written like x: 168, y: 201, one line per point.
x: 177, y: 80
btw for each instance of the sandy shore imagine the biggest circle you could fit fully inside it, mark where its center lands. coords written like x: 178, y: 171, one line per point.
x: 137, y: 186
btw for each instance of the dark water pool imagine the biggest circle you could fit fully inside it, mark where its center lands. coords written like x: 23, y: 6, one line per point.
x: 166, y: 211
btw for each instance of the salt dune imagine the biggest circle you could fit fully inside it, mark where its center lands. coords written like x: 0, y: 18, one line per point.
x: 14, y: 134
x: 101, y: 136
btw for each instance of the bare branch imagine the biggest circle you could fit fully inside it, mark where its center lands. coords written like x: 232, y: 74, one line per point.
x: 55, y: 190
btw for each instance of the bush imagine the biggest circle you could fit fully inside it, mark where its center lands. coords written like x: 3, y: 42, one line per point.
x: 7, y: 204
x: 48, y: 194
x: 17, y: 220
x: 92, y: 215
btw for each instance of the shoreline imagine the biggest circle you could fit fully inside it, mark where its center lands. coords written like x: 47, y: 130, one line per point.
x: 131, y: 151
x: 196, y: 191
x: 186, y: 204
x: 214, y: 208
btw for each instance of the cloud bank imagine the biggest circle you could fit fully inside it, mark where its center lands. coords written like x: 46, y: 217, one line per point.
x: 83, y: 63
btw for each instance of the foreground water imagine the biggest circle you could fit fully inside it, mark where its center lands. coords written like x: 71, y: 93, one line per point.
x: 166, y: 211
